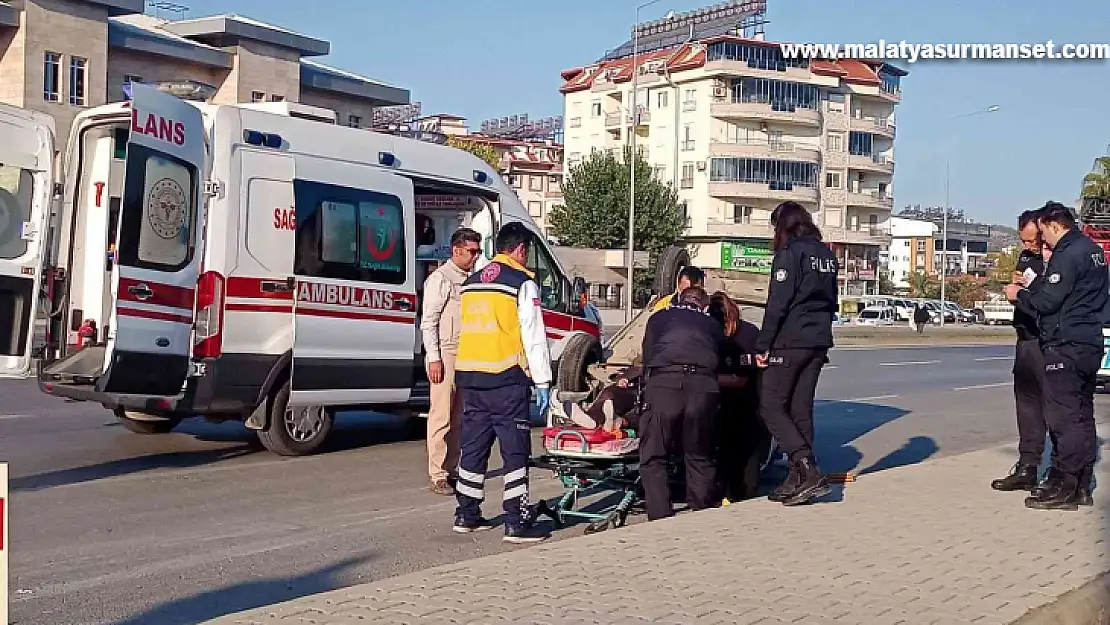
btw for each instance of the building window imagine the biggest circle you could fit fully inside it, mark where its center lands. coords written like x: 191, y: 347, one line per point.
x: 781, y: 95
x: 741, y: 214
x: 690, y: 100
x: 258, y: 96
x: 755, y: 56
x: 687, y: 181
x: 860, y: 143
x: 921, y: 246
x: 688, y: 138
x: 836, y: 102
x: 779, y: 175
x: 535, y: 183
x: 354, y: 121
x: 277, y: 98
x: 52, y: 77
x: 835, y: 143
x: 832, y: 180
x: 661, y: 99
x: 595, y: 109
x: 535, y: 209
x: 518, y: 182
x: 554, y: 185
x: 78, y: 73
x: 661, y: 173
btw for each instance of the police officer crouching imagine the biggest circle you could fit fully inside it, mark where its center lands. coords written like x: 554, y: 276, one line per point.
x: 502, y: 353
x: 793, y: 346
x: 680, y: 355
x: 1071, y: 307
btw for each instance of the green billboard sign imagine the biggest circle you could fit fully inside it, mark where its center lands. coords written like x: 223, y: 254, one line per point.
x: 753, y: 256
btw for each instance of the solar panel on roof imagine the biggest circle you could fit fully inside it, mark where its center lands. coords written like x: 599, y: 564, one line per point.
x: 692, y: 26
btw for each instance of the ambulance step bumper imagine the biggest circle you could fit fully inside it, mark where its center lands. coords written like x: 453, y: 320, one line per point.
x: 149, y: 404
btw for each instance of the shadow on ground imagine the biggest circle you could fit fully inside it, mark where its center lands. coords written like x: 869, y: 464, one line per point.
x: 245, y: 596
x: 840, y: 423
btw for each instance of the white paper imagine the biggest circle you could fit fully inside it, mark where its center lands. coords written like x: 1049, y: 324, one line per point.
x: 1029, y: 275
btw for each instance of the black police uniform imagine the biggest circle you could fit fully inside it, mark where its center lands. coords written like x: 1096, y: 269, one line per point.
x: 1028, y: 385
x: 1071, y: 305
x: 680, y: 355
x: 744, y: 441
x: 797, y: 331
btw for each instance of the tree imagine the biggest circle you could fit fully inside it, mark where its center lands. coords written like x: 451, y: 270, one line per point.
x: 886, y: 286
x: 1097, y: 183
x: 596, y: 210
x: 1005, y: 262
x: 924, y: 286
x: 965, y: 291
x: 481, y: 150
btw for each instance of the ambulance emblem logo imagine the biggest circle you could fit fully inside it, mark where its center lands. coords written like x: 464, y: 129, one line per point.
x: 490, y: 273
x: 165, y: 208
x: 780, y: 275
x: 1054, y: 278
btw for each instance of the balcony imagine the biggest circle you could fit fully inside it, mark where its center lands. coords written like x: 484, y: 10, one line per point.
x: 761, y: 148
x: 687, y: 145
x: 871, y: 199
x: 689, y: 105
x: 612, y: 120
x: 871, y: 162
x: 726, y: 108
x: 756, y: 228
x: 882, y: 126
x: 763, y: 190
x: 860, y: 235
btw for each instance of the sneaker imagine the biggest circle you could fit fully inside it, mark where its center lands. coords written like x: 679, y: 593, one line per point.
x: 524, y: 535
x: 441, y: 487
x: 463, y: 526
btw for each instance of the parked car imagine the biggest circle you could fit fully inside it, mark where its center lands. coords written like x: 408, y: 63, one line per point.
x: 961, y: 315
x: 876, y: 316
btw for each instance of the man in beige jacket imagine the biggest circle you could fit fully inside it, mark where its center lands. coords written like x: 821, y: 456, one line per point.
x: 439, y: 327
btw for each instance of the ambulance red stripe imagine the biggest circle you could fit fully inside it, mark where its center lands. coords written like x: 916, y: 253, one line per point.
x: 156, y: 315
x: 355, y: 313
x: 169, y: 295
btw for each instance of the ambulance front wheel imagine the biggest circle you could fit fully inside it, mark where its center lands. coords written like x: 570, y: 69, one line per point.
x: 142, y: 423
x: 295, y: 430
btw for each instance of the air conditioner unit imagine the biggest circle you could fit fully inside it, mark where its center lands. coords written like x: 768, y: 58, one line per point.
x: 701, y: 165
x: 719, y: 92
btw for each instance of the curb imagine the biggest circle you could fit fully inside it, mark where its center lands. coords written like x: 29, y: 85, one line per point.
x: 1087, y: 605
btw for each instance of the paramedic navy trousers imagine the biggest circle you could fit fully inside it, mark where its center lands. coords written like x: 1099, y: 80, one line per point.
x: 499, y: 414
x: 1069, y: 382
x: 786, y: 393
x: 1029, y: 398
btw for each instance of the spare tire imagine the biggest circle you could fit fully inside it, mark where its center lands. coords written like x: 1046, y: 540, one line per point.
x: 670, y: 262
x: 581, y: 351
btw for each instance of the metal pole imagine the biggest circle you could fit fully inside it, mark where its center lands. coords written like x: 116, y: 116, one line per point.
x: 944, y: 245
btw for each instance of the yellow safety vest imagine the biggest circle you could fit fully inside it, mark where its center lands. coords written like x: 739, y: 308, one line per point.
x: 491, y: 352
x: 664, y: 302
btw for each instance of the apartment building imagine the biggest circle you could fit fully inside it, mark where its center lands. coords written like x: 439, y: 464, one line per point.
x: 63, y: 56
x: 719, y: 113
x: 965, y: 250
x: 911, y: 250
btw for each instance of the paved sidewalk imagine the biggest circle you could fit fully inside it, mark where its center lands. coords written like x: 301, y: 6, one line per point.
x: 929, y: 543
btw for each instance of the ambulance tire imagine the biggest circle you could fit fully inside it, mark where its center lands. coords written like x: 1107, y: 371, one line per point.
x: 581, y: 351
x: 276, y: 436
x: 671, y: 261
x: 144, y: 425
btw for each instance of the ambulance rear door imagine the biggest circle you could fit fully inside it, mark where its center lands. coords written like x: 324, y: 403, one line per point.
x: 158, y: 248
x: 355, y: 274
x: 26, y: 189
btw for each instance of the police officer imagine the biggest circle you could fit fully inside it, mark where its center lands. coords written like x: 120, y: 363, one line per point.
x: 1028, y: 364
x: 688, y: 277
x: 680, y: 354
x: 1070, y: 306
x: 502, y: 353
x: 793, y: 345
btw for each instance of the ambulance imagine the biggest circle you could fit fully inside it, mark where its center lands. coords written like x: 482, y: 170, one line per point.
x: 242, y: 262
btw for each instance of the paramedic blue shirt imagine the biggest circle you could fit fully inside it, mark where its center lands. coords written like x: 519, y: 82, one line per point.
x: 1070, y: 304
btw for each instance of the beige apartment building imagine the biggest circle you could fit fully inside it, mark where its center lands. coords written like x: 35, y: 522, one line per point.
x: 737, y: 128
x: 63, y: 56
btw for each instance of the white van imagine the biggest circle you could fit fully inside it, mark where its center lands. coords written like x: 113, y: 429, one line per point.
x: 239, y: 264
x: 876, y: 316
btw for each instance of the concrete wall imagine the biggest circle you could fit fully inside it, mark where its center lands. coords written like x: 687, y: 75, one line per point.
x: 261, y: 67
x: 342, y: 105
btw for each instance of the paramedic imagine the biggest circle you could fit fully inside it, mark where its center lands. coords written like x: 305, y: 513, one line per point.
x: 502, y: 353
x: 1070, y: 307
x: 1028, y: 364
x: 688, y: 277
x: 681, y: 350
x: 743, y: 440
x: 793, y: 345
x: 439, y: 327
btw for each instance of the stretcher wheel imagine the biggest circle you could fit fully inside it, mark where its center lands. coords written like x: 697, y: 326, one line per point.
x: 596, y: 527
x: 621, y: 519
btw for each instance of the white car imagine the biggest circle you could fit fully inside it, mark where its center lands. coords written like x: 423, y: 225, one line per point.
x: 876, y: 316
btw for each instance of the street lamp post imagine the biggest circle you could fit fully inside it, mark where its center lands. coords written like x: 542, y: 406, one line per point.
x: 947, y: 207
x: 632, y: 161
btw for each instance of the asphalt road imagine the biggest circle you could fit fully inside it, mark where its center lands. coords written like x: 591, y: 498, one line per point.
x: 113, y: 527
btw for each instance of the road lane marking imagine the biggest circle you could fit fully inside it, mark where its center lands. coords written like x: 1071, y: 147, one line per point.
x: 14, y: 416
x: 875, y: 398
x: 908, y: 363
x: 994, y: 358
x: 978, y: 386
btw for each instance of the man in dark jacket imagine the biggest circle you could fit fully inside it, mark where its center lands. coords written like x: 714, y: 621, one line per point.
x: 681, y: 355
x: 1071, y: 308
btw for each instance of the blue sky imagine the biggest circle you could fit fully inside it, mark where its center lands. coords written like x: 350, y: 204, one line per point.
x: 492, y: 58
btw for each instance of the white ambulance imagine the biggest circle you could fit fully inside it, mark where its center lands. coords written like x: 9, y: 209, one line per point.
x: 237, y: 263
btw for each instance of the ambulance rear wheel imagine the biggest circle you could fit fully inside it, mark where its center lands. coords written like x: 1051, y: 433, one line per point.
x: 142, y: 423
x: 295, y: 430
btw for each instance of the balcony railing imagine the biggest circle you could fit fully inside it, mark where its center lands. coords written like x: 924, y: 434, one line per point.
x: 739, y: 228
x: 689, y: 105
x: 872, y: 198
x: 575, y: 122
x: 876, y: 162
x: 612, y: 119
x: 764, y: 108
x: 686, y: 183
x: 688, y: 145
x: 878, y: 125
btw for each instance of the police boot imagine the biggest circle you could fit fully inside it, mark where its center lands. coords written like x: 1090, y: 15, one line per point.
x: 788, y: 485
x: 1084, y: 495
x: 1049, y: 476
x: 1060, y: 492
x: 1021, y: 477
x: 812, y: 486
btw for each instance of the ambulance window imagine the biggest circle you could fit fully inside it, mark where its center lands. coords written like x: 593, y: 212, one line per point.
x: 15, y: 210
x: 349, y: 234
x: 547, y: 275
x: 159, y: 209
